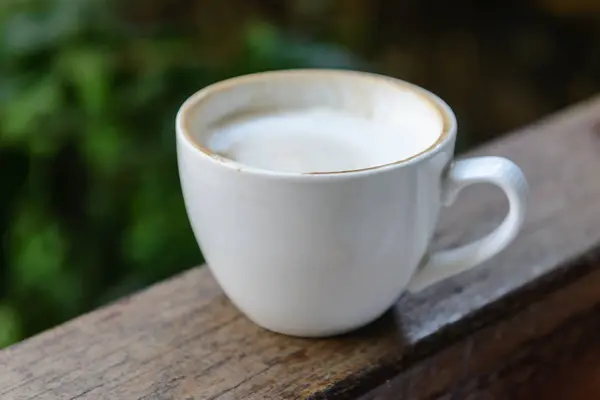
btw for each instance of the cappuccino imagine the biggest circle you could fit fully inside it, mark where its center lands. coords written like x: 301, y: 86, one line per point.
x: 324, y: 139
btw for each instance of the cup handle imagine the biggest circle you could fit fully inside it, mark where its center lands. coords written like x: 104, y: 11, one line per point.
x: 498, y: 171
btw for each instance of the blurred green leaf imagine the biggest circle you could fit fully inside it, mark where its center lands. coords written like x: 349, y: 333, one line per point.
x: 90, y: 72
x: 159, y: 225
x: 269, y: 48
x: 25, y: 32
x: 10, y: 325
x: 38, y: 248
x: 24, y: 117
x: 262, y: 39
x: 36, y: 25
x: 65, y: 290
x: 105, y: 147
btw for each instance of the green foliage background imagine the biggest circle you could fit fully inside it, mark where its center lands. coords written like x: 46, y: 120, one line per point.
x: 90, y: 207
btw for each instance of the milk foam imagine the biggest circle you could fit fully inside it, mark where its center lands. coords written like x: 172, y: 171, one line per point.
x: 323, y: 139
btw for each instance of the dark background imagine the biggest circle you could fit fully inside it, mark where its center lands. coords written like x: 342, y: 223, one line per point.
x: 90, y: 203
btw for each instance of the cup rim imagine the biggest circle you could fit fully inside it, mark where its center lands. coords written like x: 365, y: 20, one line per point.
x: 183, y: 132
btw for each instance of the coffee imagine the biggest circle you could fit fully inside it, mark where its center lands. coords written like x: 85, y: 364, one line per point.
x: 324, y: 139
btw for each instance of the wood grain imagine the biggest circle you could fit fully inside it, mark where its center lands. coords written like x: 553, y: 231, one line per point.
x: 182, y: 339
x: 501, y: 360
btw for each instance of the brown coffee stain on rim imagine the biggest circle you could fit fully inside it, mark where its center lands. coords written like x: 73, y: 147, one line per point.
x: 195, y: 100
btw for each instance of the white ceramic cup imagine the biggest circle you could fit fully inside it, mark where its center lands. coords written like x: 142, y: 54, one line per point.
x: 322, y: 254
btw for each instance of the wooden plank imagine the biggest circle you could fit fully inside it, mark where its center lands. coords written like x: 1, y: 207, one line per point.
x: 501, y: 360
x: 182, y: 339
x: 565, y: 365
x: 570, y: 372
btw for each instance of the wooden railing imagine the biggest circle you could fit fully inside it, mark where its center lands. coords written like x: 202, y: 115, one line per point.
x: 482, y: 332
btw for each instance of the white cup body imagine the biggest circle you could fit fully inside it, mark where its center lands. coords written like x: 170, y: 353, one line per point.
x: 310, y: 255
